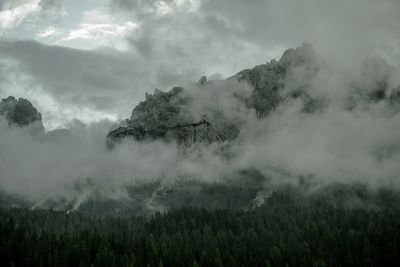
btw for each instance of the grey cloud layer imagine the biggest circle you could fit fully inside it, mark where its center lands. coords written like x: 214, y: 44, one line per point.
x: 341, y: 28
x: 179, y: 34
x: 105, y: 81
x: 331, y: 145
x: 178, y: 41
x: 72, y: 76
x: 355, y: 24
x: 34, y: 168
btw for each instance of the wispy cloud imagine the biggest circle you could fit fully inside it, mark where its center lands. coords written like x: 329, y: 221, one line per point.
x: 13, y: 14
x: 96, y: 28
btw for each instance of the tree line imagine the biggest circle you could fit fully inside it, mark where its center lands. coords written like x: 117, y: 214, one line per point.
x: 287, y: 230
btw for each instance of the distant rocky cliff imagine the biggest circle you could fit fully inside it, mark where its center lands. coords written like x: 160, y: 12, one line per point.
x: 164, y: 116
x: 21, y: 112
x: 270, y: 79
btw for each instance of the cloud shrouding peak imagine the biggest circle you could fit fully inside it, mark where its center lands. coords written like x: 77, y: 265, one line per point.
x: 283, y: 22
x: 330, y: 143
x: 162, y: 43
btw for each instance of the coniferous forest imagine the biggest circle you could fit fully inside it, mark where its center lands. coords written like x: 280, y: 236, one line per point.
x: 289, y: 229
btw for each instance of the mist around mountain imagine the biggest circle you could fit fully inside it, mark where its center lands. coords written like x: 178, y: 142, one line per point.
x: 300, y: 121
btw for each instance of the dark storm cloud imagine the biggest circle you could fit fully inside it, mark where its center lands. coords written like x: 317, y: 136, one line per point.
x: 179, y: 36
x: 340, y: 27
x: 70, y: 74
x: 343, y: 29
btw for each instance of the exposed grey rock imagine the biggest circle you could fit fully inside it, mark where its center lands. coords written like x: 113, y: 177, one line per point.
x: 115, y: 136
x: 161, y: 108
x: 21, y: 112
x: 269, y: 80
x: 301, y: 56
x: 186, y: 134
x: 203, y: 80
x: 164, y: 116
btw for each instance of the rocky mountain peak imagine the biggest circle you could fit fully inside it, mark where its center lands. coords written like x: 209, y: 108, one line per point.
x: 165, y: 116
x: 269, y: 80
x: 21, y: 112
x: 299, y: 56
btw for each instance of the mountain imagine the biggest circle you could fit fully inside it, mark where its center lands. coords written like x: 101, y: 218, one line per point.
x: 175, y: 117
x: 166, y: 115
x: 268, y: 80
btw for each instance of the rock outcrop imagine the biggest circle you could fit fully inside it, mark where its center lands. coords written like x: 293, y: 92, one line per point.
x: 164, y: 116
x: 186, y: 134
x: 270, y: 81
x: 20, y: 112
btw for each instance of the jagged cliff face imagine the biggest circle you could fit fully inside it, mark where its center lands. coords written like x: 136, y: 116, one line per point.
x: 166, y: 116
x: 269, y: 80
x: 20, y: 112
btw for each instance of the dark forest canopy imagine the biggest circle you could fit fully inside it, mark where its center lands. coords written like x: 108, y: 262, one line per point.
x: 290, y: 229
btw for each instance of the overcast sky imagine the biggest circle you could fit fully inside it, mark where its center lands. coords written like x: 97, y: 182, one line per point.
x: 95, y: 59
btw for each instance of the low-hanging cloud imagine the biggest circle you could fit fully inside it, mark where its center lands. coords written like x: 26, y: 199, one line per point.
x: 52, y: 165
x: 333, y: 144
x: 176, y: 42
x: 343, y: 29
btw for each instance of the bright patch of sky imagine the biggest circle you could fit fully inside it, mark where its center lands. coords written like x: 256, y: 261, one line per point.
x: 84, y: 24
